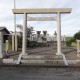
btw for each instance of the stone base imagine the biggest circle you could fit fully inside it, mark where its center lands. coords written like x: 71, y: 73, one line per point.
x: 20, y: 56
x: 64, y: 58
x: 59, y: 53
x: 8, y: 61
x: 25, y: 54
x: 78, y: 55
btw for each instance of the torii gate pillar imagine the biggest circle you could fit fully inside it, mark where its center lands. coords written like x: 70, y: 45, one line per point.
x: 58, y: 34
x: 24, y: 33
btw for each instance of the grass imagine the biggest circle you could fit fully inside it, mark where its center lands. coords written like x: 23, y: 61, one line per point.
x: 10, y: 46
x: 74, y: 44
x: 68, y: 38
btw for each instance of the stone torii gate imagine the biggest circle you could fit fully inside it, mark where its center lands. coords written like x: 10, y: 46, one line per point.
x: 57, y: 11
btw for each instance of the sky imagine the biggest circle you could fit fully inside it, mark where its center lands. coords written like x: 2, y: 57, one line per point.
x: 70, y: 23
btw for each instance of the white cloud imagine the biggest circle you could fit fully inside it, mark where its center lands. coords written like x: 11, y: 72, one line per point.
x: 70, y: 22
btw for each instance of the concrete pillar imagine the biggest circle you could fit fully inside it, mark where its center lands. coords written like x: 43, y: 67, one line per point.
x: 58, y: 34
x: 7, y: 43
x: 1, y: 45
x: 24, y: 43
x: 13, y: 42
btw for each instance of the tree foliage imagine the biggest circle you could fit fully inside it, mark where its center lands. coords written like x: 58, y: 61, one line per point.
x: 29, y: 32
x: 19, y: 41
x: 77, y: 35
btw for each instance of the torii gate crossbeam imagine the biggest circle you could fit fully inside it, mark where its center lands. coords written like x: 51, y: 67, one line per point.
x: 41, y: 18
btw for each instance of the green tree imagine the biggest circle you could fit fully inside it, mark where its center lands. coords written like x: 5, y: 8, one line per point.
x: 29, y: 32
x: 77, y: 35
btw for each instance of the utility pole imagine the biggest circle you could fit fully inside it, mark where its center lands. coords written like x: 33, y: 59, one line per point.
x: 15, y: 44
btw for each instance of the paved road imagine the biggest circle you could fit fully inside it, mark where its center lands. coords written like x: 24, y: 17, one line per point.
x: 30, y: 73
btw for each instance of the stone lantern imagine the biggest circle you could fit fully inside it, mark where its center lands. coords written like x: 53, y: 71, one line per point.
x: 38, y: 33
x: 55, y: 36
x: 44, y: 33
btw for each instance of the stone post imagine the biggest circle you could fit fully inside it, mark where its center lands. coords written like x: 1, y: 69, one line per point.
x: 13, y: 42
x: 58, y: 34
x: 1, y: 44
x: 16, y: 43
x: 7, y: 43
x: 24, y: 43
x: 78, y: 46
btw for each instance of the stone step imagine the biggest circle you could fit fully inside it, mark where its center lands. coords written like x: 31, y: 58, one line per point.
x: 9, y: 61
x: 38, y: 57
x: 42, y: 61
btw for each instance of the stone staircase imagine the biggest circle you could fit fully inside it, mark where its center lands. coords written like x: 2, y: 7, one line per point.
x: 44, y: 56
x: 42, y: 60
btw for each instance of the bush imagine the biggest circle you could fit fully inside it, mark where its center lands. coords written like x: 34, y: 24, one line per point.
x: 10, y: 39
x: 19, y: 41
x: 70, y: 41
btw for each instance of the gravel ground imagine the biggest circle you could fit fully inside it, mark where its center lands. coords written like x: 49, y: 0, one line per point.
x: 71, y: 53
x: 37, y: 73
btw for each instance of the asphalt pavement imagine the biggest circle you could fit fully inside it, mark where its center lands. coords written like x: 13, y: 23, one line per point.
x: 37, y: 73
